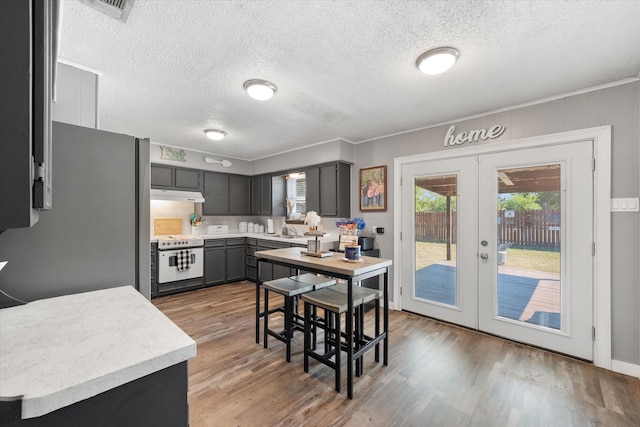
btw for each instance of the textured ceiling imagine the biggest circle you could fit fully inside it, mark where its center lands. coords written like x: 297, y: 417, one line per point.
x: 344, y: 69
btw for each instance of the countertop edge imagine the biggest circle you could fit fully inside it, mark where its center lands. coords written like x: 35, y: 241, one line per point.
x: 42, y: 405
x: 85, y: 364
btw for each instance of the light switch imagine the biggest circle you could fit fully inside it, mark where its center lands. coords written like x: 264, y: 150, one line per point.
x: 625, y: 204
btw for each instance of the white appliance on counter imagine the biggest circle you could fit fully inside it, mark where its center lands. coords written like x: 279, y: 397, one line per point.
x: 180, y: 258
x: 217, y: 229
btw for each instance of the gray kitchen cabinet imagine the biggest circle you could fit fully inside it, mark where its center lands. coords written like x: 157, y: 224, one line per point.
x: 188, y: 179
x: 250, y: 259
x: 215, y: 262
x: 216, y: 194
x: 154, y: 270
x: 256, y: 194
x: 162, y: 176
x: 239, y: 195
x: 261, y: 201
x: 270, y: 271
x: 226, y: 194
x: 329, y: 189
x: 265, y: 195
x: 235, y: 259
x: 175, y: 178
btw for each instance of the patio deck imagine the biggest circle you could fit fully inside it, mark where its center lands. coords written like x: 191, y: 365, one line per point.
x: 528, y: 296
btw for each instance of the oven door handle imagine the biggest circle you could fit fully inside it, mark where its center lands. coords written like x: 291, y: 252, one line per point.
x: 173, y: 260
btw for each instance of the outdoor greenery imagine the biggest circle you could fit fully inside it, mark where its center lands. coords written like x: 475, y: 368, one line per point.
x: 428, y: 201
x: 525, y: 259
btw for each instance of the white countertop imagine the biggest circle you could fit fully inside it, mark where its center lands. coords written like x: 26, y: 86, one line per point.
x: 58, y: 351
x: 302, y: 240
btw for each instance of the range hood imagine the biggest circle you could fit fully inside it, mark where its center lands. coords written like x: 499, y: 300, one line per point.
x: 176, y: 196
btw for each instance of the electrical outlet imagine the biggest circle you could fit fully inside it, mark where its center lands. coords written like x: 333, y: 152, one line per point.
x: 373, y: 229
x: 380, y: 230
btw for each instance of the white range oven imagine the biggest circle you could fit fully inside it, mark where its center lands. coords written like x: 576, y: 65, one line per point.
x: 180, y: 258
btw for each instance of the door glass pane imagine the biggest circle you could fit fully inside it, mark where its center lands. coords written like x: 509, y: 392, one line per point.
x: 529, y: 245
x: 435, y: 239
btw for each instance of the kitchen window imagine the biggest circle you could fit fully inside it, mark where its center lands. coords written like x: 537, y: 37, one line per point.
x: 296, y: 195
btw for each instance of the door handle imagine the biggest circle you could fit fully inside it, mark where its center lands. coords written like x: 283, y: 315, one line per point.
x: 484, y: 255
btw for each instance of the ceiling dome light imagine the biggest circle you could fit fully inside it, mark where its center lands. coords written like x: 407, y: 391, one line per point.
x: 437, y: 61
x: 261, y: 90
x: 215, y: 134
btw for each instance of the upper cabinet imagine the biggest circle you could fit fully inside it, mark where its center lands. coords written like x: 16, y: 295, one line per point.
x: 175, y: 178
x: 226, y: 194
x: 325, y: 190
x: 329, y: 190
x: 261, y: 201
x: 239, y: 194
x: 28, y: 31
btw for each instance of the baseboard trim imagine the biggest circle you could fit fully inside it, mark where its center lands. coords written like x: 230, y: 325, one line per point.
x: 625, y: 368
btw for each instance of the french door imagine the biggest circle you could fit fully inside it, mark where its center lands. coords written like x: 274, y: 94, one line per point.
x: 502, y: 243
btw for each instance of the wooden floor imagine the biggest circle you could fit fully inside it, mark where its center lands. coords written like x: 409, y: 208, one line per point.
x: 438, y: 375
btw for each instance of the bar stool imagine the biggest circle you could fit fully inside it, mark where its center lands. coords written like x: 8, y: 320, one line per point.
x: 290, y: 288
x: 333, y: 300
x: 367, y: 295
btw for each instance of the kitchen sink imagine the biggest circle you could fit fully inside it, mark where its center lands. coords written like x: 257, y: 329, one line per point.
x: 284, y: 236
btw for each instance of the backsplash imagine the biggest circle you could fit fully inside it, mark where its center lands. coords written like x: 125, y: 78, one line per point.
x: 160, y: 209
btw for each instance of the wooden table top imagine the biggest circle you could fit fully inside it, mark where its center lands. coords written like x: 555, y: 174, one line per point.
x: 336, y: 263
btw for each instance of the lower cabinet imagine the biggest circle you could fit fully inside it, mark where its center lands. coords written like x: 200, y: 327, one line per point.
x: 250, y: 259
x: 154, y: 270
x: 215, y: 262
x: 224, y: 261
x: 272, y: 271
x: 235, y: 259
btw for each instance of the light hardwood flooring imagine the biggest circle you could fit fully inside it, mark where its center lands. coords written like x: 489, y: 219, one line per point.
x: 438, y: 375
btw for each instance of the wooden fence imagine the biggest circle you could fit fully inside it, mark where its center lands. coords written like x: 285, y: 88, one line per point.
x: 518, y: 228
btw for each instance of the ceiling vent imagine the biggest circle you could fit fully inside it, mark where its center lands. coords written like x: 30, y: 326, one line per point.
x: 117, y: 9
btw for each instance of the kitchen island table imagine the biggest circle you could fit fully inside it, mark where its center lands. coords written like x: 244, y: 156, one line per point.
x: 338, y: 267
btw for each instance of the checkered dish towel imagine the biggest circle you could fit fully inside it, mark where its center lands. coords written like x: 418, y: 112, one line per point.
x: 183, y: 261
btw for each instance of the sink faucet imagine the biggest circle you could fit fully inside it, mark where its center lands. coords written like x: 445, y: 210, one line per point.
x: 292, y: 231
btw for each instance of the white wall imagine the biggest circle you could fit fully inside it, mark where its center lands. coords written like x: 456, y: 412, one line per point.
x: 76, y: 97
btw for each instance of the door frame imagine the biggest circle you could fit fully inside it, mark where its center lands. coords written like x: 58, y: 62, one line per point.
x: 601, y: 137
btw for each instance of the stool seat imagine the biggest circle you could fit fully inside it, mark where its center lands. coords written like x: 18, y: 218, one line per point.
x: 367, y: 294
x: 288, y: 287
x: 331, y: 299
x: 318, y: 282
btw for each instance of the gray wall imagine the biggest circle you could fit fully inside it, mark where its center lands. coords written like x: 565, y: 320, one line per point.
x: 195, y: 160
x: 321, y: 153
x: 618, y: 106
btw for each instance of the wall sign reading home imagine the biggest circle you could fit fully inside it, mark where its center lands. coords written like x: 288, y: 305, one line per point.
x: 473, y: 135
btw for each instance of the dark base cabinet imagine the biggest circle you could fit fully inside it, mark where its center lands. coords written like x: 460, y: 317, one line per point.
x: 154, y: 269
x: 270, y: 271
x: 158, y: 399
x: 235, y: 259
x: 250, y: 259
x: 215, y: 262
